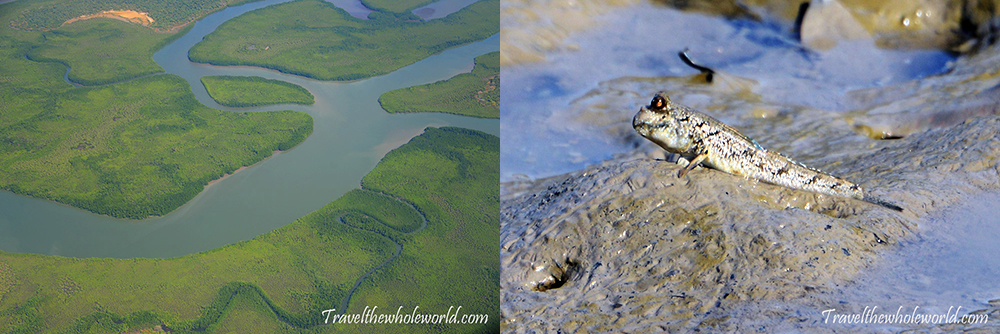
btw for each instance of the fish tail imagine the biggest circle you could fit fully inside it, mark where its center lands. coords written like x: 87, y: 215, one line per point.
x: 882, y: 202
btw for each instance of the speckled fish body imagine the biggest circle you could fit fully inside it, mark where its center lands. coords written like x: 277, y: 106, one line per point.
x: 703, y: 140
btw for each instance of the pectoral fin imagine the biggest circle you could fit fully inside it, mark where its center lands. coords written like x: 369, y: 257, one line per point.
x: 691, y: 165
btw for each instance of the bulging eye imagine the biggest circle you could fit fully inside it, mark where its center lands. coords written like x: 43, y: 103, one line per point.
x: 658, y: 102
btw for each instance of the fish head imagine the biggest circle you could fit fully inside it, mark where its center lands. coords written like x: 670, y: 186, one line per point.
x: 659, y: 123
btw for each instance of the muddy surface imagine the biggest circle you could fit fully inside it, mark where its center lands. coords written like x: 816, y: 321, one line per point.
x: 624, y: 245
x: 629, y: 246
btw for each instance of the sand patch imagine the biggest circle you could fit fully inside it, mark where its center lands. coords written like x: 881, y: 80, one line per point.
x: 124, y: 15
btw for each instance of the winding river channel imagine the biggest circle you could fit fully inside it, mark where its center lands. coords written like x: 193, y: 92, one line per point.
x: 351, y: 134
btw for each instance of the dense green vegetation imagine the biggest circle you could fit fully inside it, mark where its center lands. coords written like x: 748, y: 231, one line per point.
x: 101, y: 51
x: 390, y: 212
x: 474, y: 94
x: 127, y: 149
x: 314, y: 38
x: 452, y: 259
x: 50, y: 14
x: 236, y: 91
x: 141, y: 145
x: 282, y: 280
x: 135, y: 157
x: 395, y: 6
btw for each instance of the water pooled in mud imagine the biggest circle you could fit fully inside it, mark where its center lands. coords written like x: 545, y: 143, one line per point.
x: 952, y: 267
x: 546, y: 133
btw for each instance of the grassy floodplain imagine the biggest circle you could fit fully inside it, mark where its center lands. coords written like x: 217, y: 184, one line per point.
x: 474, y: 94
x: 139, y: 146
x: 239, y: 91
x: 313, y: 38
x: 282, y: 280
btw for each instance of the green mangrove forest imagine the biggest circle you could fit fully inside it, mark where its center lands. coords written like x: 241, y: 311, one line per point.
x: 242, y: 91
x: 314, y: 38
x: 281, y: 281
x: 474, y: 94
x: 89, y: 119
x: 135, y: 146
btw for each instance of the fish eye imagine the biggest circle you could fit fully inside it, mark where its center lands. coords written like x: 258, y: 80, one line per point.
x: 658, y: 102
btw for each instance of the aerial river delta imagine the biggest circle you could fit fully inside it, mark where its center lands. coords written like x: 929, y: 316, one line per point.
x: 750, y: 166
x: 249, y: 166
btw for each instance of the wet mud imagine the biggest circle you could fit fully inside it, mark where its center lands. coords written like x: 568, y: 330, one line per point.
x: 629, y: 246
x: 624, y: 245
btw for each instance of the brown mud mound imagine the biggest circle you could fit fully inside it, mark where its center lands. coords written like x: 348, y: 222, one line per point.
x: 629, y: 247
